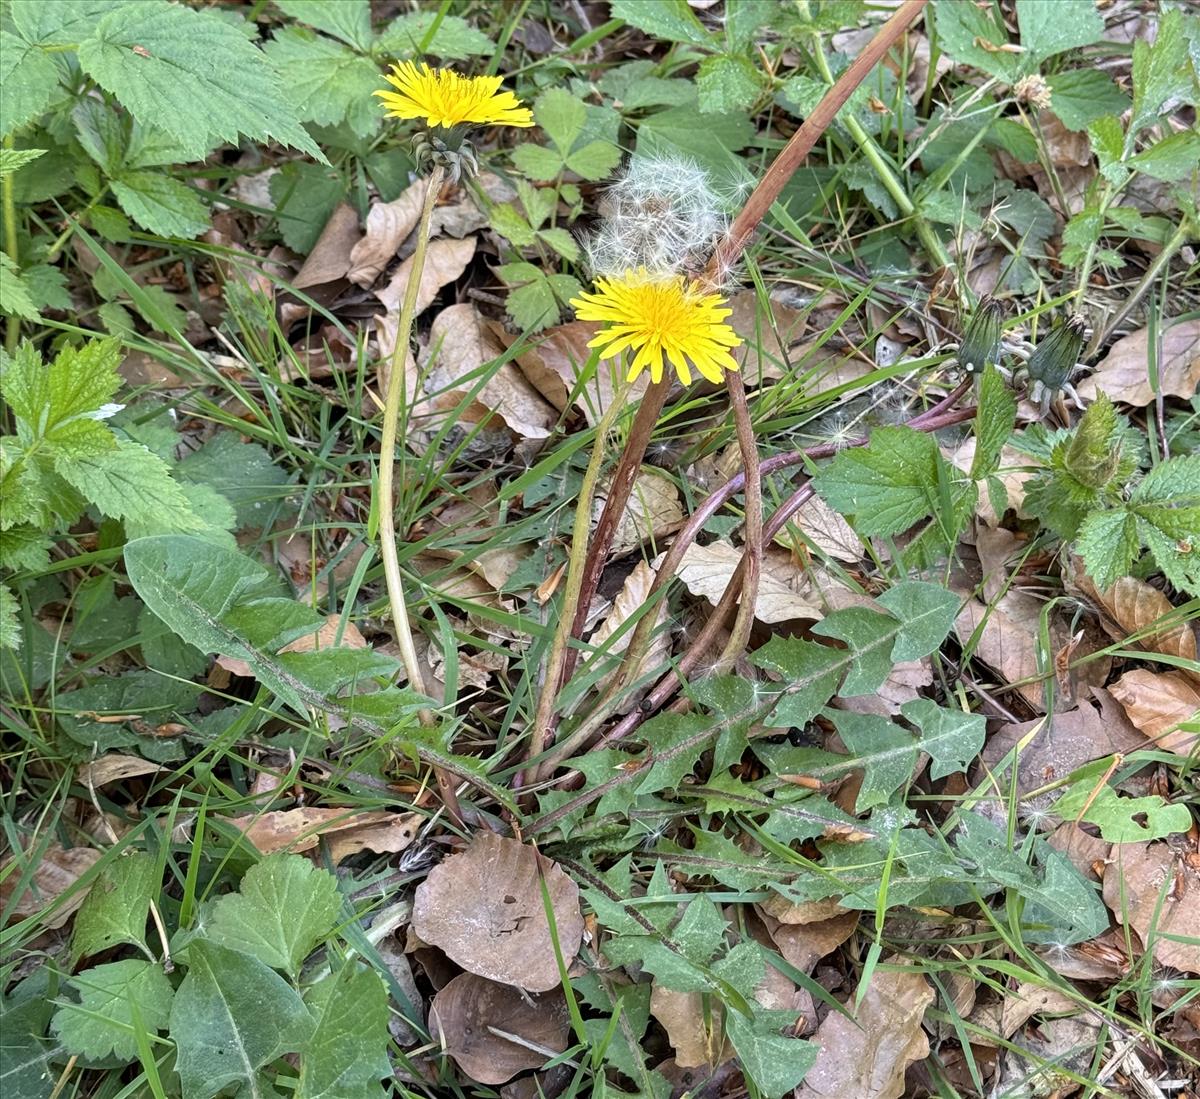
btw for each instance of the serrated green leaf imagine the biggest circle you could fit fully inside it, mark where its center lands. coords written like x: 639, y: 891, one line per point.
x: 1080, y: 96
x: 1160, y: 71
x: 961, y: 28
x: 669, y: 19
x: 102, y: 1023
x: 669, y: 731
x: 537, y: 161
x: 47, y: 286
x: 231, y: 1016
x: 329, y: 82
x: 531, y: 303
x: 117, y: 906
x: 1172, y: 159
x: 1172, y: 535
x: 349, y: 20
x: 868, y: 636
x: 454, y: 39
x: 1093, y: 454
x: 160, y: 204
x: 888, y: 485
x: 29, y: 1064
x: 774, y: 1061
x: 30, y: 78
x: 11, y: 160
x: 283, y: 908
x: 1052, y: 26
x: 1122, y: 819
x: 594, y: 160
x: 15, y: 297
x: 510, y: 225
x: 129, y: 481
x: 10, y: 618
x: 993, y: 424
x: 562, y: 242
x: 708, y: 138
x: 159, y: 60
x: 347, y: 1057
x: 561, y: 115
x: 727, y: 82
x: 812, y: 673
x: 1175, y: 482
x: 54, y: 402
x: 926, y: 613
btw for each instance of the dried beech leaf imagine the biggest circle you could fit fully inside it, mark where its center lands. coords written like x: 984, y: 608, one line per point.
x: 330, y: 258
x: 459, y: 345
x: 445, y: 260
x: 58, y: 869
x: 473, y: 1017
x: 483, y: 908
x: 1153, y: 890
x: 783, y: 593
x: 653, y: 510
x: 866, y: 1055
x: 1157, y: 703
x: 781, y: 909
x: 301, y: 829
x: 1130, y: 606
x: 1124, y: 372
x: 463, y: 216
x: 112, y: 768
x: 682, y: 1016
x: 1011, y: 474
x: 775, y: 331
x: 1007, y: 1016
x: 817, y: 523
x: 805, y: 944
x: 327, y: 637
x: 388, y: 226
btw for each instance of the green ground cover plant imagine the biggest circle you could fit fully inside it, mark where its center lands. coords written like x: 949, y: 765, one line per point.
x: 655, y: 557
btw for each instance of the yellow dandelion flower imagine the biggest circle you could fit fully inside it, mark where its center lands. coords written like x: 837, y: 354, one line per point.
x: 447, y: 98
x: 661, y: 317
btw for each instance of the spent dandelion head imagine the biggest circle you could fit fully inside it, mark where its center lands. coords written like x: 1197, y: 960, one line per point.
x: 450, y: 103
x: 660, y: 319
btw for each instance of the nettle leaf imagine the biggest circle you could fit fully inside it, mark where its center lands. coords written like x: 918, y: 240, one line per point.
x: 994, y: 423
x: 12, y: 160
x: 347, y: 1056
x: 231, y: 1016
x: 163, y: 205
x: 329, y: 82
x: 1080, y: 96
x: 454, y: 39
x: 158, y: 59
x: 673, y: 20
x: 726, y: 82
x: 56, y: 403
x: 102, y: 1023
x: 10, y: 619
x: 1052, y: 26
x: 29, y: 75
x: 887, y: 485
x: 283, y: 908
x: 117, y: 906
x: 16, y: 298
x: 349, y: 20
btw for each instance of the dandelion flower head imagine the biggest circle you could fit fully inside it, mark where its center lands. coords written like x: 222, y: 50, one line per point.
x: 446, y: 98
x: 660, y: 319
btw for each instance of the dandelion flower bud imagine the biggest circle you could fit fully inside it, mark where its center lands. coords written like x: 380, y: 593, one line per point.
x: 980, y: 347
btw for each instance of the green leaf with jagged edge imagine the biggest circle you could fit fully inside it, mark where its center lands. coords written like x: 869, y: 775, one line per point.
x: 1081, y: 96
x: 1120, y: 819
x: 117, y: 906
x: 1161, y: 72
x: 673, y: 20
x: 16, y: 297
x: 164, y: 206
x: 726, y: 83
x: 330, y: 82
x: 10, y: 619
x: 222, y: 602
x: 157, y: 58
x: 349, y: 20
x: 775, y: 1061
x: 282, y: 909
x: 886, y: 486
x: 1049, y: 27
x: 455, y: 39
x: 231, y: 1016
x: 102, y: 1024
x: 1172, y: 159
x: 347, y: 1056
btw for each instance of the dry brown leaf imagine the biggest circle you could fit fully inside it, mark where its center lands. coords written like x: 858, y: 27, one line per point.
x: 781, y: 909
x: 483, y: 908
x: 653, y: 510
x: 1157, y: 703
x: 387, y: 836
x: 1080, y: 846
x: 630, y: 599
x: 330, y: 258
x: 56, y: 872
x: 445, y: 260
x: 463, y: 215
x: 903, y: 684
x: 388, y: 226
x: 493, y: 1031
x: 459, y: 345
x: 1130, y: 606
x: 301, y: 829
x: 783, y: 590
x: 1124, y: 373
x: 775, y: 331
x: 1005, y: 1017
x: 865, y: 1056
x: 819, y: 525
x: 327, y: 637
x: 554, y: 362
x: 1150, y: 888
x: 683, y: 1018
x: 805, y: 944
x: 114, y: 767
x: 1011, y: 475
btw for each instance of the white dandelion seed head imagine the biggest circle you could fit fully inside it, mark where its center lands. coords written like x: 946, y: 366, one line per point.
x: 661, y: 213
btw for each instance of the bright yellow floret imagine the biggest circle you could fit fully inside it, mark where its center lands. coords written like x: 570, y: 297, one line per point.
x: 657, y: 318
x: 446, y: 98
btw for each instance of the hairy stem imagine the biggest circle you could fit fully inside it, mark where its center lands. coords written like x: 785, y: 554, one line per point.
x: 385, y: 505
